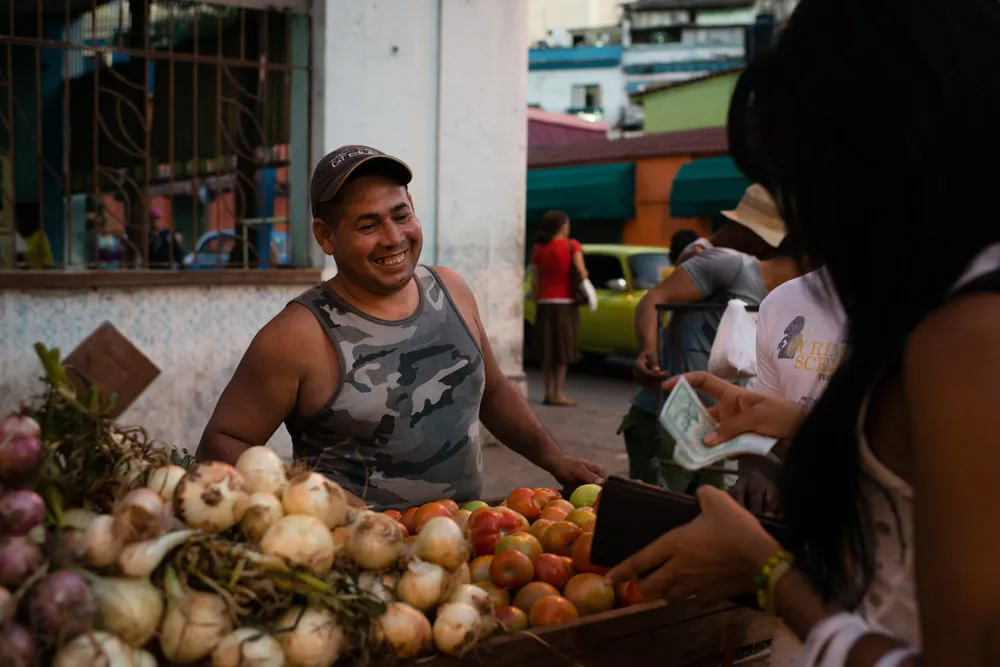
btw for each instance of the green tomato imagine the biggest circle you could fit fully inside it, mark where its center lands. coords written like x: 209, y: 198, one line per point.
x: 473, y: 505
x: 585, y: 496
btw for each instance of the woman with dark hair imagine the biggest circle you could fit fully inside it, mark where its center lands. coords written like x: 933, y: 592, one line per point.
x: 557, y: 316
x: 888, y: 487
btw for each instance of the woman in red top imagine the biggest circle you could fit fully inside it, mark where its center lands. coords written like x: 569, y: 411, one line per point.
x: 557, y: 318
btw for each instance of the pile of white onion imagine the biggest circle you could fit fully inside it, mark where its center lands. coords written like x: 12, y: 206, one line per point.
x: 306, y: 521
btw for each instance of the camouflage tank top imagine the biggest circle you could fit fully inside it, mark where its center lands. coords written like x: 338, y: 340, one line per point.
x: 402, y: 427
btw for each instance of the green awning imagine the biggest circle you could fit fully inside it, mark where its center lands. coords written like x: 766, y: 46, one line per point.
x: 704, y: 187
x: 593, y: 192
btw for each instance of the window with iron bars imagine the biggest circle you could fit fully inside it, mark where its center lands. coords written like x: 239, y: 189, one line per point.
x: 153, y: 135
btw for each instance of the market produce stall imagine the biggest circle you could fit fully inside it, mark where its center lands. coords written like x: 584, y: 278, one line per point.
x: 117, y: 551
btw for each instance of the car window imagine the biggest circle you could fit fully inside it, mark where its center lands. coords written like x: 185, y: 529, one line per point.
x: 648, y: 269
x: 603, y: 268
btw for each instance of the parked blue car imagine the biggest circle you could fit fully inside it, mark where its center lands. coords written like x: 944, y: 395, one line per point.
x: 213, y: 248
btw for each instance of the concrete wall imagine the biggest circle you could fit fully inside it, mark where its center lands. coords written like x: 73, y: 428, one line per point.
x: 552, y: 89
x: 196, y: 336
x: 692, y: 106
x: 439, y: 83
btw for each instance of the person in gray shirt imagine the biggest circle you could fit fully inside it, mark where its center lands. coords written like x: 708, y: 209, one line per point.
x: 749, y: 257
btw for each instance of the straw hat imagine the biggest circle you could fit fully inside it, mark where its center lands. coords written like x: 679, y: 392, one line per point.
x: 758, y: 213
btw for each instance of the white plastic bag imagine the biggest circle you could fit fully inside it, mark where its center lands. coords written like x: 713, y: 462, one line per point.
x: 591, y: 294
x: 734, y: 352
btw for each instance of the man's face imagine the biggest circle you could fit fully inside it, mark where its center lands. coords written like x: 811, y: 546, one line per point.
x: 377, y: 239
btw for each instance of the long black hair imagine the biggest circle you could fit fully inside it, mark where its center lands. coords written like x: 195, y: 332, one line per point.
x: 874, y: 123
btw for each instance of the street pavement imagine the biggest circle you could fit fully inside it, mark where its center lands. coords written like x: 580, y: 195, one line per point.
x: 589, y: 430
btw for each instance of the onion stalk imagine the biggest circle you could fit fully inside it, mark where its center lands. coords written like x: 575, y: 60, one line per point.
x: 140, y: 559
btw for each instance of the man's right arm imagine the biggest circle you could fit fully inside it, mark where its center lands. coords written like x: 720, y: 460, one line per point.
x: 675, y: 288
x: 261, y: 395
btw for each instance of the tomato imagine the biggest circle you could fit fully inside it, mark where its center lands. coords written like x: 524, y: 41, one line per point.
x: 488, y: 526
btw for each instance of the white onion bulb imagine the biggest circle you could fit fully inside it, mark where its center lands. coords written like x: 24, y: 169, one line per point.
x: 312, y: 494
x: 478, y: 599
x: 248, y: 647
x: 263, y: 471
x: 380, y: 584
x: 302, y: 540
x: 102, y: 546
x: 129, y: 608
x: 95, y: 649
x: 310, y: 637
x: 423, y: 585
x: 212, y: 497
x: 194, y: 624
x: 262, y: 513
x: 140, y: 515
x: 441, y: 541
x: 376, y: 543
x: 164, y: 481
x: 406, y: 629
x: 457, y: 627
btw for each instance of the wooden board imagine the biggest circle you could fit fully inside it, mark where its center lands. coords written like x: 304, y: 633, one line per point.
x: 109, y: 360
x: 675, y: 635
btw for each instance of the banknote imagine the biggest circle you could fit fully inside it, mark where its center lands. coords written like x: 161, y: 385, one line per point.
x: 688, y: 421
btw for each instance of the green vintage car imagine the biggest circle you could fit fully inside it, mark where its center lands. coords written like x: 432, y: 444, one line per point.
x: 621, y: 275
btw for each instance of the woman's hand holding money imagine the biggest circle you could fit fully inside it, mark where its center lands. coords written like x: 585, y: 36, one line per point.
x: 742, y: 411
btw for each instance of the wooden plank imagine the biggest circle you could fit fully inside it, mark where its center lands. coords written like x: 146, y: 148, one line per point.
x: 675, y: 635
x: 109, y: 360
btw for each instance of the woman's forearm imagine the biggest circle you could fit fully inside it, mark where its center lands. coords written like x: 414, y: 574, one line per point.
x: 801, y: 609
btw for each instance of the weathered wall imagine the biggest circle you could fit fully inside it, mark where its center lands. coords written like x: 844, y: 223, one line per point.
x: 196, y: 336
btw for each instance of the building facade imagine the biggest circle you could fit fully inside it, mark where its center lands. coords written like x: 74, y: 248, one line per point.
x: 402, y: 75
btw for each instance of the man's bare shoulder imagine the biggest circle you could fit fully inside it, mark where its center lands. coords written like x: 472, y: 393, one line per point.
x: 291, y: 337
x: 455, y: 283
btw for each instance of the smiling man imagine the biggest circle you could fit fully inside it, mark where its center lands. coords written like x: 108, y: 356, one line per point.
x: 382, y: 373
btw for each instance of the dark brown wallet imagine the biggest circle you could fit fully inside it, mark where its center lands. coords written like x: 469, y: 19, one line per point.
x: 631, y: 515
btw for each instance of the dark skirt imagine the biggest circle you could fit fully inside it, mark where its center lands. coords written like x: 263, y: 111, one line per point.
x: 556, y: 339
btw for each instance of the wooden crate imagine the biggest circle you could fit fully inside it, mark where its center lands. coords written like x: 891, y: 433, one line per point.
x: 665, y: 635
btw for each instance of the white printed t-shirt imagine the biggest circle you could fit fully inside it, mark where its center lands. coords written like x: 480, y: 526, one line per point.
x: 800, y: 339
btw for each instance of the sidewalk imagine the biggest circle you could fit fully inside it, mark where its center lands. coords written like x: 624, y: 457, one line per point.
x: 586, y: 431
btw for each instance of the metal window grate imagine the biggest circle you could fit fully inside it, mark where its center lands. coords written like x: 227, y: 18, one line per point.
x: 134, y: 133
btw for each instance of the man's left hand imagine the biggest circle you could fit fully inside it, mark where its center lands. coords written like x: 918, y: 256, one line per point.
x: 572, y: 472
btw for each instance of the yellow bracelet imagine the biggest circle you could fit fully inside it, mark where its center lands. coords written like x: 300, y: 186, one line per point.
x: 775, y: 568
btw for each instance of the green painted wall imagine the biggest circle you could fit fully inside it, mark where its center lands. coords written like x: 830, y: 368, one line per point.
x: 689, y: 107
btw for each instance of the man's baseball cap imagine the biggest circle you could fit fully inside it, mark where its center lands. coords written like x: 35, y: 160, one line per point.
x: 336, y: 166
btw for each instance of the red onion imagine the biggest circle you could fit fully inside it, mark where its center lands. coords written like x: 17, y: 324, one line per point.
x: 20, y: 511
x: 62, y: 606
x: 19, y: 559
x: 19, y: 457
x: 17, y: 649
x: 15, y: 425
